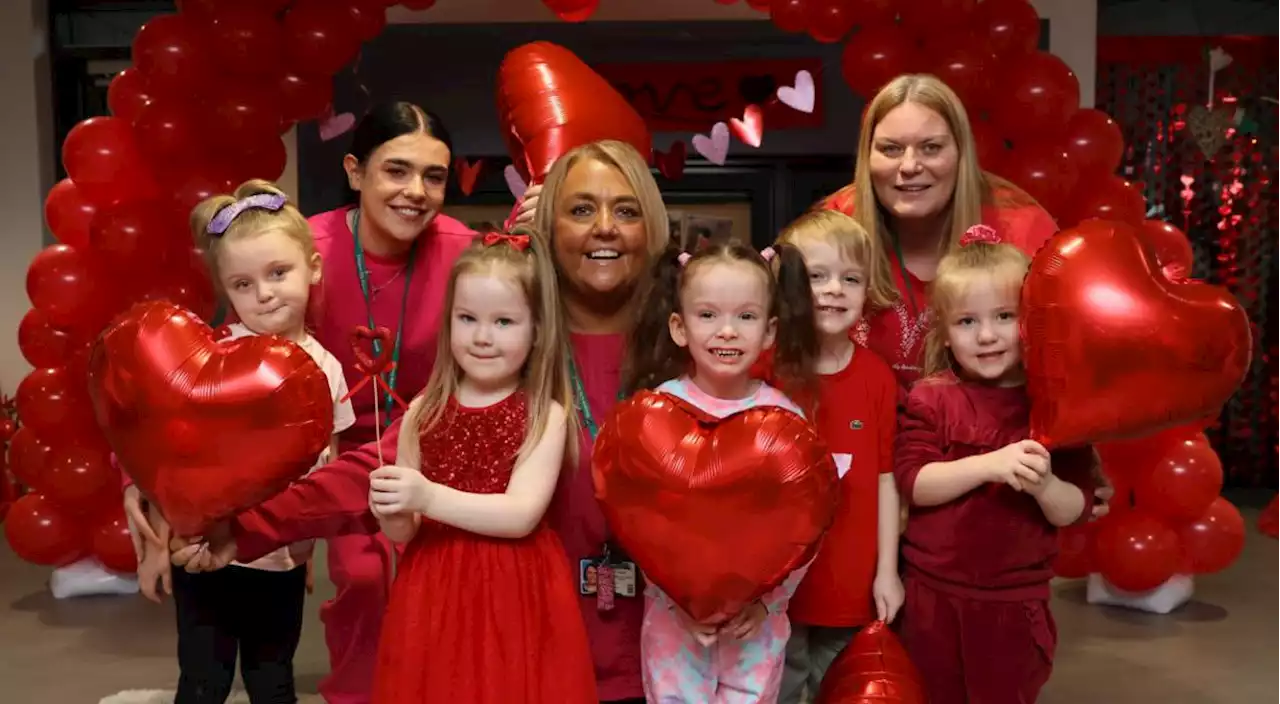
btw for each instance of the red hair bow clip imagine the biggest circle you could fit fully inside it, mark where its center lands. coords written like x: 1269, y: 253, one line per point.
x: 979, y: 233
x: 520, y: 242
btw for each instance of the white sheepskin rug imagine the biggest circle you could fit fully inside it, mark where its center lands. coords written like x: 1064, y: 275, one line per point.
x: 165, y: 696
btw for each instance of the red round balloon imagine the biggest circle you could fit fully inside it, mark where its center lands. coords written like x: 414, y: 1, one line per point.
x: 1007, y: 28
x: 1171, y: 247
x: 1212, y: 542
x: 757, y: 487
x: 244, y: 112
x: 132, y: 236
x: 128, y: 93
x: 41, y: 533
x: 319, y: 38
x: 1107, y: 198
x: 80, y: 477
x: 247, y: 41
x: 966, y: 67
x: 103, y: 160
x: 1038, y: 96
x: 66, y: 287
x: 304, y: 97
x: 173, y: 52
x: 53, y: 403
x: 829, y: 21
x: 572, y: 10
x: 790, y: 15
x: 1094, y: 142
x: 1044, y: 171
x: 28, y: 456
x: 171, y: 130
x: 874, y: 56
x: 1184, y: 481
x: 992, y: 148
x: 928, y: 17
x: 226, y: 424
x: 44, y: 345
x: 1113, y: 349
x: 1136, y: 551
x: 68, y: 213
x: 550, y: 102
x: 368, y: 17
x: 111, y: 545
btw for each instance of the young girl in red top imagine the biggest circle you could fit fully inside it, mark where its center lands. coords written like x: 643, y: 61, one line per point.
x: 483, y: 608
x: 854, y: 579
x: 986, y: 501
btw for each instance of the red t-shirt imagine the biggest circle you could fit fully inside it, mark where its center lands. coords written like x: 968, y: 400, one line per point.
x: 855, y: 416
x: 992, y: 543
x: 897, y: 333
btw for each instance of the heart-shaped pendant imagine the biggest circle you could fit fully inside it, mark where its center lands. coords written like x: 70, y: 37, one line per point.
x: 206, y: 429
x: 716, y: 512
x: 1114, y: 349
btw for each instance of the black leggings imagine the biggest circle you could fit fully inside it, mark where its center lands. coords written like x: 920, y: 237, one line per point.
x: 255, y: 612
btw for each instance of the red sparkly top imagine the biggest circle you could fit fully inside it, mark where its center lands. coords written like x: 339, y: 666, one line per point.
x: 474, y: 449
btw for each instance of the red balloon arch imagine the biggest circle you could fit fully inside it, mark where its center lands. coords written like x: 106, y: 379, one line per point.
x: 179, y: 131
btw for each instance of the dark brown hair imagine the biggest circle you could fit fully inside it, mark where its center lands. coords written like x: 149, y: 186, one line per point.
x: 653, y: 357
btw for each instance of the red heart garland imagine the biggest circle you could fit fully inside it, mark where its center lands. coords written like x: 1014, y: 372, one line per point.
x: 1113, y: 349
x: 716, y: 512
x: 467, y: 172
x: 671, y: 163
x: 750, y: 129
x: 206, y: 429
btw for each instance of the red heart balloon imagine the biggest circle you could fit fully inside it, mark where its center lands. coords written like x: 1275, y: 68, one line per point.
x: 716, y: 512
x: 872, y: 669
x: 206, y: 429
x: 550, y: 102
x: 1114, y: 349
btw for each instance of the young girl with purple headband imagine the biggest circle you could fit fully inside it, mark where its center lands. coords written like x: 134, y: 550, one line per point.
x: 262, y: 257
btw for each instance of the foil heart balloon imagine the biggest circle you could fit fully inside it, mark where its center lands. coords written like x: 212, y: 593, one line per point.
x: 716, y: 512
x: 1114, y: 349
x: 204, y: 428
x: 550, y: 102
x: 872, y: 669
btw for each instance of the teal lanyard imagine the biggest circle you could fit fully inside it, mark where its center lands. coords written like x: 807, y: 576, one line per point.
x: 362, y: 272
x: 580, y: 400
x: 908, y: 289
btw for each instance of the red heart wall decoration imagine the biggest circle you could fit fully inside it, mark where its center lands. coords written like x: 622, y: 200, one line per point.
x: 206, y: 429
x: 1114, y: 349
x: 716, y: 512
x: 550, y: 102
x: 750, y: 129
x: 468, y: 172
x: 671, y: 162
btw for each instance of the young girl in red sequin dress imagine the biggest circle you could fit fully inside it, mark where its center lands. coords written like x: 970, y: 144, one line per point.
x: 986, y: 500
x: 483, y: 608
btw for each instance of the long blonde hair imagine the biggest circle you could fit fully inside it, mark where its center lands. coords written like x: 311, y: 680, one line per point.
x: 248, y: 223
x: 627, y: 161
x: 973, y: 189
x: 842, y: 232
x: 546, y: 371
x: 1002, y: 264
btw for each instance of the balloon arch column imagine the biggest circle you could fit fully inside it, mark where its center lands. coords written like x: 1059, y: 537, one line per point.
x: 213, y: 87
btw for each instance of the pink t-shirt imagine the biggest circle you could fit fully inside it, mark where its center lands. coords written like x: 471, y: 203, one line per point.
x: 340, y: 306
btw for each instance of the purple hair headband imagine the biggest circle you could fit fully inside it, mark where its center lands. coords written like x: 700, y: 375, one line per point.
x: 222, y: 220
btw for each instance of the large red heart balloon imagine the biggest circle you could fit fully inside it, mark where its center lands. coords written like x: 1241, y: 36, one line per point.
x: 872, y: 669
x: 550, y: 102
x: 1114, y: 349
x: 716, y: 512
x: 206, y: 429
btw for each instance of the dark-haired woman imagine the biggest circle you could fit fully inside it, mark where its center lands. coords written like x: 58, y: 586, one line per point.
x: 386, y: 260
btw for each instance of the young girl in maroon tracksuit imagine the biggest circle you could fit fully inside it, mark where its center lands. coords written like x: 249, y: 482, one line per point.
x: 986, y: 501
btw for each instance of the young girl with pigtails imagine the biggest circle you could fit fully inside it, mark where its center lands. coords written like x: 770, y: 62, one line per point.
x: 704, y: 322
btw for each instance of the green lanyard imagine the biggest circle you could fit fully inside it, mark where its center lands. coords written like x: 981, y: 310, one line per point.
x: 580, y: 400
x: 362, y: 272
x: 906, y: 282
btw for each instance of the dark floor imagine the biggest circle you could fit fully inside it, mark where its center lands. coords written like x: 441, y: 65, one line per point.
x: 1220, y: 648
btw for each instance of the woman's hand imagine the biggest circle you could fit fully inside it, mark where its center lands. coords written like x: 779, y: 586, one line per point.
x: 395, y: 490
x: 528, y: 205
x: 140, y: 529
x: 888, y: 594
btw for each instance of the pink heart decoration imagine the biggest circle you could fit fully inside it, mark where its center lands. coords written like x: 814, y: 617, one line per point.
x: 716, y: 147
x: 802, y: 96
x: 515, y: 184
x: 336, y: 125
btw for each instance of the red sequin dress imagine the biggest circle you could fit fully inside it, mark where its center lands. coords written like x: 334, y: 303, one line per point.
x: 481, y: 620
